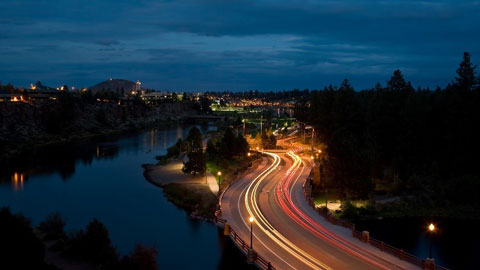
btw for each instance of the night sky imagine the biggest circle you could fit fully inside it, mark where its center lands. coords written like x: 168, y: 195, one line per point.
x: 235, y: 45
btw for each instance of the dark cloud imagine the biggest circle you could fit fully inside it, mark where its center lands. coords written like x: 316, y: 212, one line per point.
x: 108, y: 42
x: 218, y: 44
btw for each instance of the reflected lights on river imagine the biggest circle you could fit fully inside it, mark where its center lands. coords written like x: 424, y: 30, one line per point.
x: 17, y: 181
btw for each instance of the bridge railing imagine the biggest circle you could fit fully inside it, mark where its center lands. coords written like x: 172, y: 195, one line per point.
x: 399, y: 253
x: 244, y: 247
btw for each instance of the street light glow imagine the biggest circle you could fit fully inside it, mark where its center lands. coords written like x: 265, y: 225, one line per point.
x: 249, y: 154
x: 431, y: 227
x: 251, y: 219
x: 219, y: 173
x: 319, y: 151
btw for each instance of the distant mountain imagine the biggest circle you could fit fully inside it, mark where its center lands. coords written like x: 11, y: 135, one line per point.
x: 116, y: 85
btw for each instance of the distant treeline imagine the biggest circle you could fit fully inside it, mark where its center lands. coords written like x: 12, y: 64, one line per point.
x: 419, y: 142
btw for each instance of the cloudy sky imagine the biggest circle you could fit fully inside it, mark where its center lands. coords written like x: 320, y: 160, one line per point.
x: 233, y: 44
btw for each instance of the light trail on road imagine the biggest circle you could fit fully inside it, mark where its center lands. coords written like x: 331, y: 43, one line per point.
x: 284, y: 197
x: 254, y: 210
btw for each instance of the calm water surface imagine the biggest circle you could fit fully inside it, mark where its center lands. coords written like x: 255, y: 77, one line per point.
x: 104, y: 179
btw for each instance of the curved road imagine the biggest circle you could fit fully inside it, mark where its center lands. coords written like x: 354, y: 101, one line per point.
x: 287, y: 231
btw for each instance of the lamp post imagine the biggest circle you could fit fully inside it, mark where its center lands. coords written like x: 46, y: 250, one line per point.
x: 219, y: 173
x: 431, y: 229
x: 258, y: 148
x: 243, y: 121
x: 313, y: 136
x: 251, y: 219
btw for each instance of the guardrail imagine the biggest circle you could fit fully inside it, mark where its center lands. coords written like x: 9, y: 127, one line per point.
x: 259, y: 260
x: 399, y: 253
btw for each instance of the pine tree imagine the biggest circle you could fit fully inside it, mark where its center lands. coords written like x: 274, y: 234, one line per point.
x: 466, y: 73
x: 194, y: 140
x: 397, y: 82
x: 346, y: 85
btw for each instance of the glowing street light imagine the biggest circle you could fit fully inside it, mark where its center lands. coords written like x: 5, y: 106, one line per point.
x: 251, y: 219
x: 431, y: 229
x: 319, y: 151
x: 219, y: 173
x: 249, y: 154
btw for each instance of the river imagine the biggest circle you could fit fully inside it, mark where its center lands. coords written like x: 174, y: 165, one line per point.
x: 103, y: 178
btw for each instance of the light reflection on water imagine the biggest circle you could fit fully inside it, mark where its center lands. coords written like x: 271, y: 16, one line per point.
x: 17, y: 181
x: 103, y: 178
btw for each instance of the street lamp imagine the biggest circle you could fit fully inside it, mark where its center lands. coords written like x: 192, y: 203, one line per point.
x: 251, y: 219
x: 249, y: 154
x: 219, y: 174
x: 431, y: 229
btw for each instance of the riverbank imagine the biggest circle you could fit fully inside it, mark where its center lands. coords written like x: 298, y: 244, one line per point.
x: 26, y: 127
x: 192, y: 193
x: 196, y: 194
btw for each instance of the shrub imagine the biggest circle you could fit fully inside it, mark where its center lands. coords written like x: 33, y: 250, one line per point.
x: 53, y: 227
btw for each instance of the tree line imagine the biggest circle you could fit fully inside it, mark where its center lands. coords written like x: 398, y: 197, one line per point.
x: 413, y: 141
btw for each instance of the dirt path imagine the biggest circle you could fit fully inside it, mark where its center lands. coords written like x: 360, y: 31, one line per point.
x: 172, y: 173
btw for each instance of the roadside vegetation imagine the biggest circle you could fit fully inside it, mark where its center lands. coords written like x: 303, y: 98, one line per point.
x: 195, y: 199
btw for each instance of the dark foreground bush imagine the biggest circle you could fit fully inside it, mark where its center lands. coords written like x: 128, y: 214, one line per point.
x: 19, y: 247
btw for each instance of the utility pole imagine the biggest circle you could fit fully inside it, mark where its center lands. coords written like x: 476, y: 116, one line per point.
x: 261, y: 124
x: 304, y: 130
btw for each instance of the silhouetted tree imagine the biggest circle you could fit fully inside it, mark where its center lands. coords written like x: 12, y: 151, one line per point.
x: 465, y: 78
x: 194, y: 139
x: 53, y: 226
x: 196, y: 163
x: 18, y: 244
x: 396, y: 82
x: 211, y: 150
x: 141, y: 258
